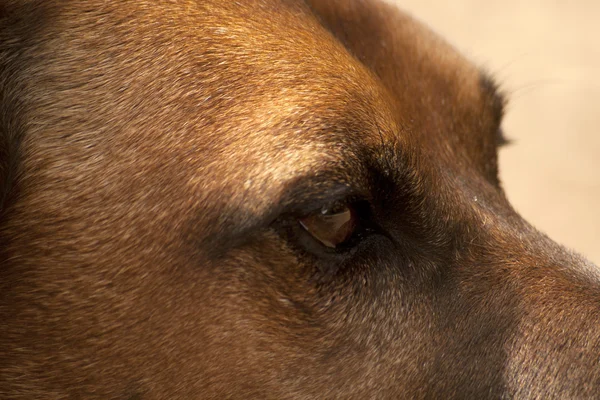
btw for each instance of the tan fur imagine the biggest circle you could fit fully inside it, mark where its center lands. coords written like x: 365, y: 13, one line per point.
x: 145, y: 147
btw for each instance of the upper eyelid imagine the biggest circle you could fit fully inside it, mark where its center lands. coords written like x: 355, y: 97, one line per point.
x: 311, y: 201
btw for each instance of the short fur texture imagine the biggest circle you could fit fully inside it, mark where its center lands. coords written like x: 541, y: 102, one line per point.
x: 154, y: 159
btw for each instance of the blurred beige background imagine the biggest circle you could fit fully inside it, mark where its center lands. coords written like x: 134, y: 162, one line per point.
x: 546, y: 56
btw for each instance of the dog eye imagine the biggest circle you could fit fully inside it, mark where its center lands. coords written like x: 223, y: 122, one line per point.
x: 332, y: 225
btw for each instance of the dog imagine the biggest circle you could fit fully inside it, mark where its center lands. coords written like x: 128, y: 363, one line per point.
x: 279, y: 199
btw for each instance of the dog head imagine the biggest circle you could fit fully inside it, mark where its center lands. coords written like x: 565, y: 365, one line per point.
x: 267, y: 199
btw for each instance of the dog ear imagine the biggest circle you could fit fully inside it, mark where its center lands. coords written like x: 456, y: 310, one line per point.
x: 371, y: 30
x: 389, y: 42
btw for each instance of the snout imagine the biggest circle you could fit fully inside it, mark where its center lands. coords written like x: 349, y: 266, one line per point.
x: 531, y: 308
x: 555, y: 350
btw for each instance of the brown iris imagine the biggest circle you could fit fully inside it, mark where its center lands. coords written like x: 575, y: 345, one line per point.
x: 332, y: 226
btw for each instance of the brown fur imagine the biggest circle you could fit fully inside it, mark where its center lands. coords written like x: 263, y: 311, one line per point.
x: 152, y: 156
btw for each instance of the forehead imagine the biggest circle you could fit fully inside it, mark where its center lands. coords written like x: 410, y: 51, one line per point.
x: 228, y: 90
x: 306, y: 79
